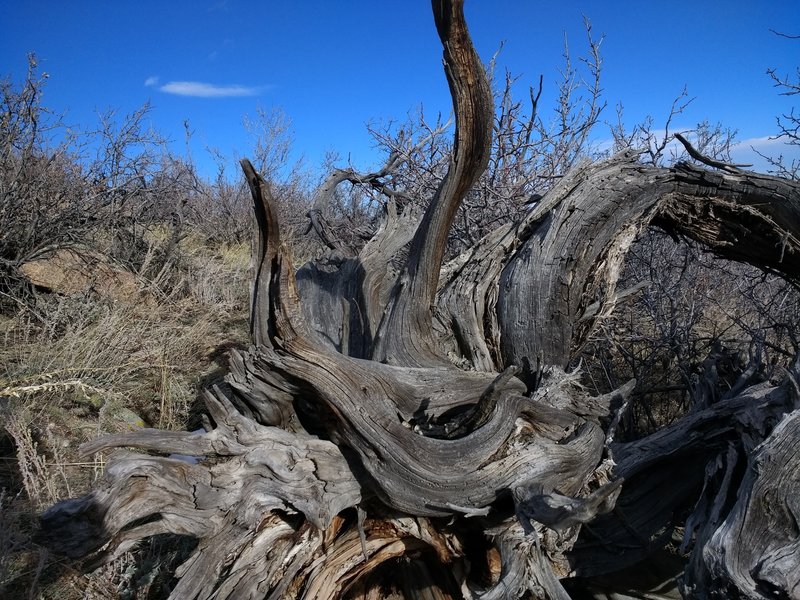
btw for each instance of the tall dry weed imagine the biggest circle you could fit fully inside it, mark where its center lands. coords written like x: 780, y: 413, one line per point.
x: 72, y: 368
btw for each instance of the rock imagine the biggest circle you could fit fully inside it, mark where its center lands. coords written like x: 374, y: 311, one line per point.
x: 72, y: 272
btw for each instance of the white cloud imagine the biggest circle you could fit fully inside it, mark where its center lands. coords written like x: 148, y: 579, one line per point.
x: 198, y: 89
x: 764, y: 144
x: 151, y: 81
x: 747, y: 151
x: 743, y: 152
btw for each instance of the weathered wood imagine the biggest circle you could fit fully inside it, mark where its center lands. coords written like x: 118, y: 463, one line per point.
x: 398, y: 421
x: 665, y: 474
x: 765, y: 515
x: 405, y: 336
x: 745, y: 216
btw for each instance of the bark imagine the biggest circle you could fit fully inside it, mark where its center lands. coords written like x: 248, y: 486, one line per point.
x: 764, y: 514
x: 403, y: 429
x: 405, y: 336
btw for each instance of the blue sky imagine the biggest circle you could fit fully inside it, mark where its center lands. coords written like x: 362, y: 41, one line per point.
x: 331, y: 66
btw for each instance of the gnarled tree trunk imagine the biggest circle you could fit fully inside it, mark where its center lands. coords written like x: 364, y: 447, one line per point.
x: 354, y: 459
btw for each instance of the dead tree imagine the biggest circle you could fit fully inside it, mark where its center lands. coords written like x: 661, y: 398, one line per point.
x: 354, y: 459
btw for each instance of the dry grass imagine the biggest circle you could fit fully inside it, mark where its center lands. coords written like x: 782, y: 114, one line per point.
x: 72, y: 368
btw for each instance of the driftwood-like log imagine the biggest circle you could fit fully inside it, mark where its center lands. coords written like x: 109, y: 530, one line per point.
x: 404, y: 429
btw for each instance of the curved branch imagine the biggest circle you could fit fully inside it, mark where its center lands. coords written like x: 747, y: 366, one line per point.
x: 478, y: 415
x: 575, y: 241
x: 729, y: 167
x: 405, y: 336
x: 561, y: 280
x: 375, y: 179
x: 265, y: 255
x: 746, y: 217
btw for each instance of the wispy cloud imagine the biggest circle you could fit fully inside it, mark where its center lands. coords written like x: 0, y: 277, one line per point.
x: 763, y: 144
x: 199, y: 89
x: 222, y: 5
x: 753, y: 150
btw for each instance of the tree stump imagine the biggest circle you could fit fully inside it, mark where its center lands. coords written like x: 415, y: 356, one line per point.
x: 400, y: 431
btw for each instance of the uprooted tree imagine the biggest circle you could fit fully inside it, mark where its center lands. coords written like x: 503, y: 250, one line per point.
x: 400, y: 428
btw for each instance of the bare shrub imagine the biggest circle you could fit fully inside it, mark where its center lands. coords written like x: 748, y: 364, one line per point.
x: 788, y: 124
x: 41, y: 191
x: 700, y: 330
x: 530, y: 152
x: 109, y: 190
x: 657, y: 143
x: 220, y: 208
